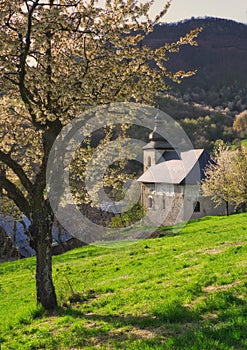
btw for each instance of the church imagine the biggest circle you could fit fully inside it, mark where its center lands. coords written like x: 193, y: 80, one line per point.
x: 170, y: 183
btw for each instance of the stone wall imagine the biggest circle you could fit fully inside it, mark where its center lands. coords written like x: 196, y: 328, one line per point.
x: 172, y: 204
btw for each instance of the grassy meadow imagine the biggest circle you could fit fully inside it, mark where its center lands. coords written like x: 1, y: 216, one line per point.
x: 183, y: 291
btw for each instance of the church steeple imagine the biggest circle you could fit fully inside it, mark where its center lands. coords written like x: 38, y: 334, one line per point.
x: 156, y: 140
x: 157, y: 145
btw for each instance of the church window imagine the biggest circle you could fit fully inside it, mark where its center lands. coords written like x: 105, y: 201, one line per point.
x: 197, y: 207
x: 150, y: 202
x: 164, y: 202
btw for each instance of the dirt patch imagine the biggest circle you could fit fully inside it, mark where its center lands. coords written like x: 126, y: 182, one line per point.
x: 60, y: 330
x: 210, y: 317
x: 214, y: 251
x: 124, y: 277
x: 222, y: 287
x: 221, y: 247
x: 142, y: 333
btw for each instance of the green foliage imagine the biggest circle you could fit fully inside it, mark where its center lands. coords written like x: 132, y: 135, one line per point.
x: 183, y: 291
x: 240, y: 123
x: 128, y: 217
x: 203, y: 124
x: 205, y: 131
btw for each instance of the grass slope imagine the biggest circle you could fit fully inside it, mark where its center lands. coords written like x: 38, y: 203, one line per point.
x: 183, y: 291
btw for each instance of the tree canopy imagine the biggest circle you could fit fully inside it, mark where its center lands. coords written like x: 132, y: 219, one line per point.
x: 226, y: 177
x: 240, y: 123
x: 57, y: 58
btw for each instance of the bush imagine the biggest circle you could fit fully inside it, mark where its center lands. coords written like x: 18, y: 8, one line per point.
x: 130, y: 216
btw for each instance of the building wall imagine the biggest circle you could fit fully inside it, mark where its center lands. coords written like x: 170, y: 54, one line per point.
x: 176, y: 203
x: 208, y: 208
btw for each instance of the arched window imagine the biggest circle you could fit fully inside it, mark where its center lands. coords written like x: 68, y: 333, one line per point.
x: 197, y: 207
x: 149, y: 161
x: 150, y: 202
x: 164, y: 202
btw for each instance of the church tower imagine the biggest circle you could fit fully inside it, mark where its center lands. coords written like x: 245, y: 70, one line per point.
x: 156, y: 147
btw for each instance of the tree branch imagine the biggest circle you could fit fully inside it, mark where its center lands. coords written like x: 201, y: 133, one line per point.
x: 17, y: 169
x: 16, y: 195
x: 25, y: 94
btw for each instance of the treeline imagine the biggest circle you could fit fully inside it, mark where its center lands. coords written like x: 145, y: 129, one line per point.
x: 204, y: 125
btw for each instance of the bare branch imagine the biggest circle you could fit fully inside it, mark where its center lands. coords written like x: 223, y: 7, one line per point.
x: 17, y: 169
x: 16, y: 195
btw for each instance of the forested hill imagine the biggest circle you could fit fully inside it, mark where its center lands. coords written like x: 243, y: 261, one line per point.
x: 206, y: 103
x: 221, y: 54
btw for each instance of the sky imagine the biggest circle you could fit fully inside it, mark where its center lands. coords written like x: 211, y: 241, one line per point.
x: 184, y: 9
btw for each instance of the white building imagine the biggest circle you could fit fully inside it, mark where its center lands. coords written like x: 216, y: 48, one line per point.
x: 171, y: 182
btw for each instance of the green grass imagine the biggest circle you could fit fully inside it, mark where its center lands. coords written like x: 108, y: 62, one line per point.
x: 244, y: 143
x: 187, y: 290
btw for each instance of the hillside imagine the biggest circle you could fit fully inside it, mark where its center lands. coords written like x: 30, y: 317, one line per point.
x: 203, y: 124
x: 221, y: 54
x: 206, y: 103
x: 182, y: 291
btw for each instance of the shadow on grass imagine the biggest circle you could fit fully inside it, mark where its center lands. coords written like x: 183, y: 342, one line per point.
x: 174, y: 327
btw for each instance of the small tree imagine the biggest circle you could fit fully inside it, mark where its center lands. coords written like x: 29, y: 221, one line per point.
x: 218, y: 177
x: 238, y: 189
x: 240, y: 124
x: 57, y: 58
x: 226, y: 177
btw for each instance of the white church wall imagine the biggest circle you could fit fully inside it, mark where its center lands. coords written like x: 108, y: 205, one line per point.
x: 177, y: 203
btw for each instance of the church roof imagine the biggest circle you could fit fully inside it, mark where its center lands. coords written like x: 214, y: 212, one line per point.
x: 178, y: 168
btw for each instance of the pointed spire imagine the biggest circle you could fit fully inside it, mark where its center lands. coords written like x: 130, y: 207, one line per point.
x: 154, y: 135
x: 156, y: 140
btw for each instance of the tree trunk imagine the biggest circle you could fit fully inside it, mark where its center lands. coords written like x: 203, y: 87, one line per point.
x: 227, y: 208
x: 41, y: 236
x: 44, y: 286
x: 244, y: 206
